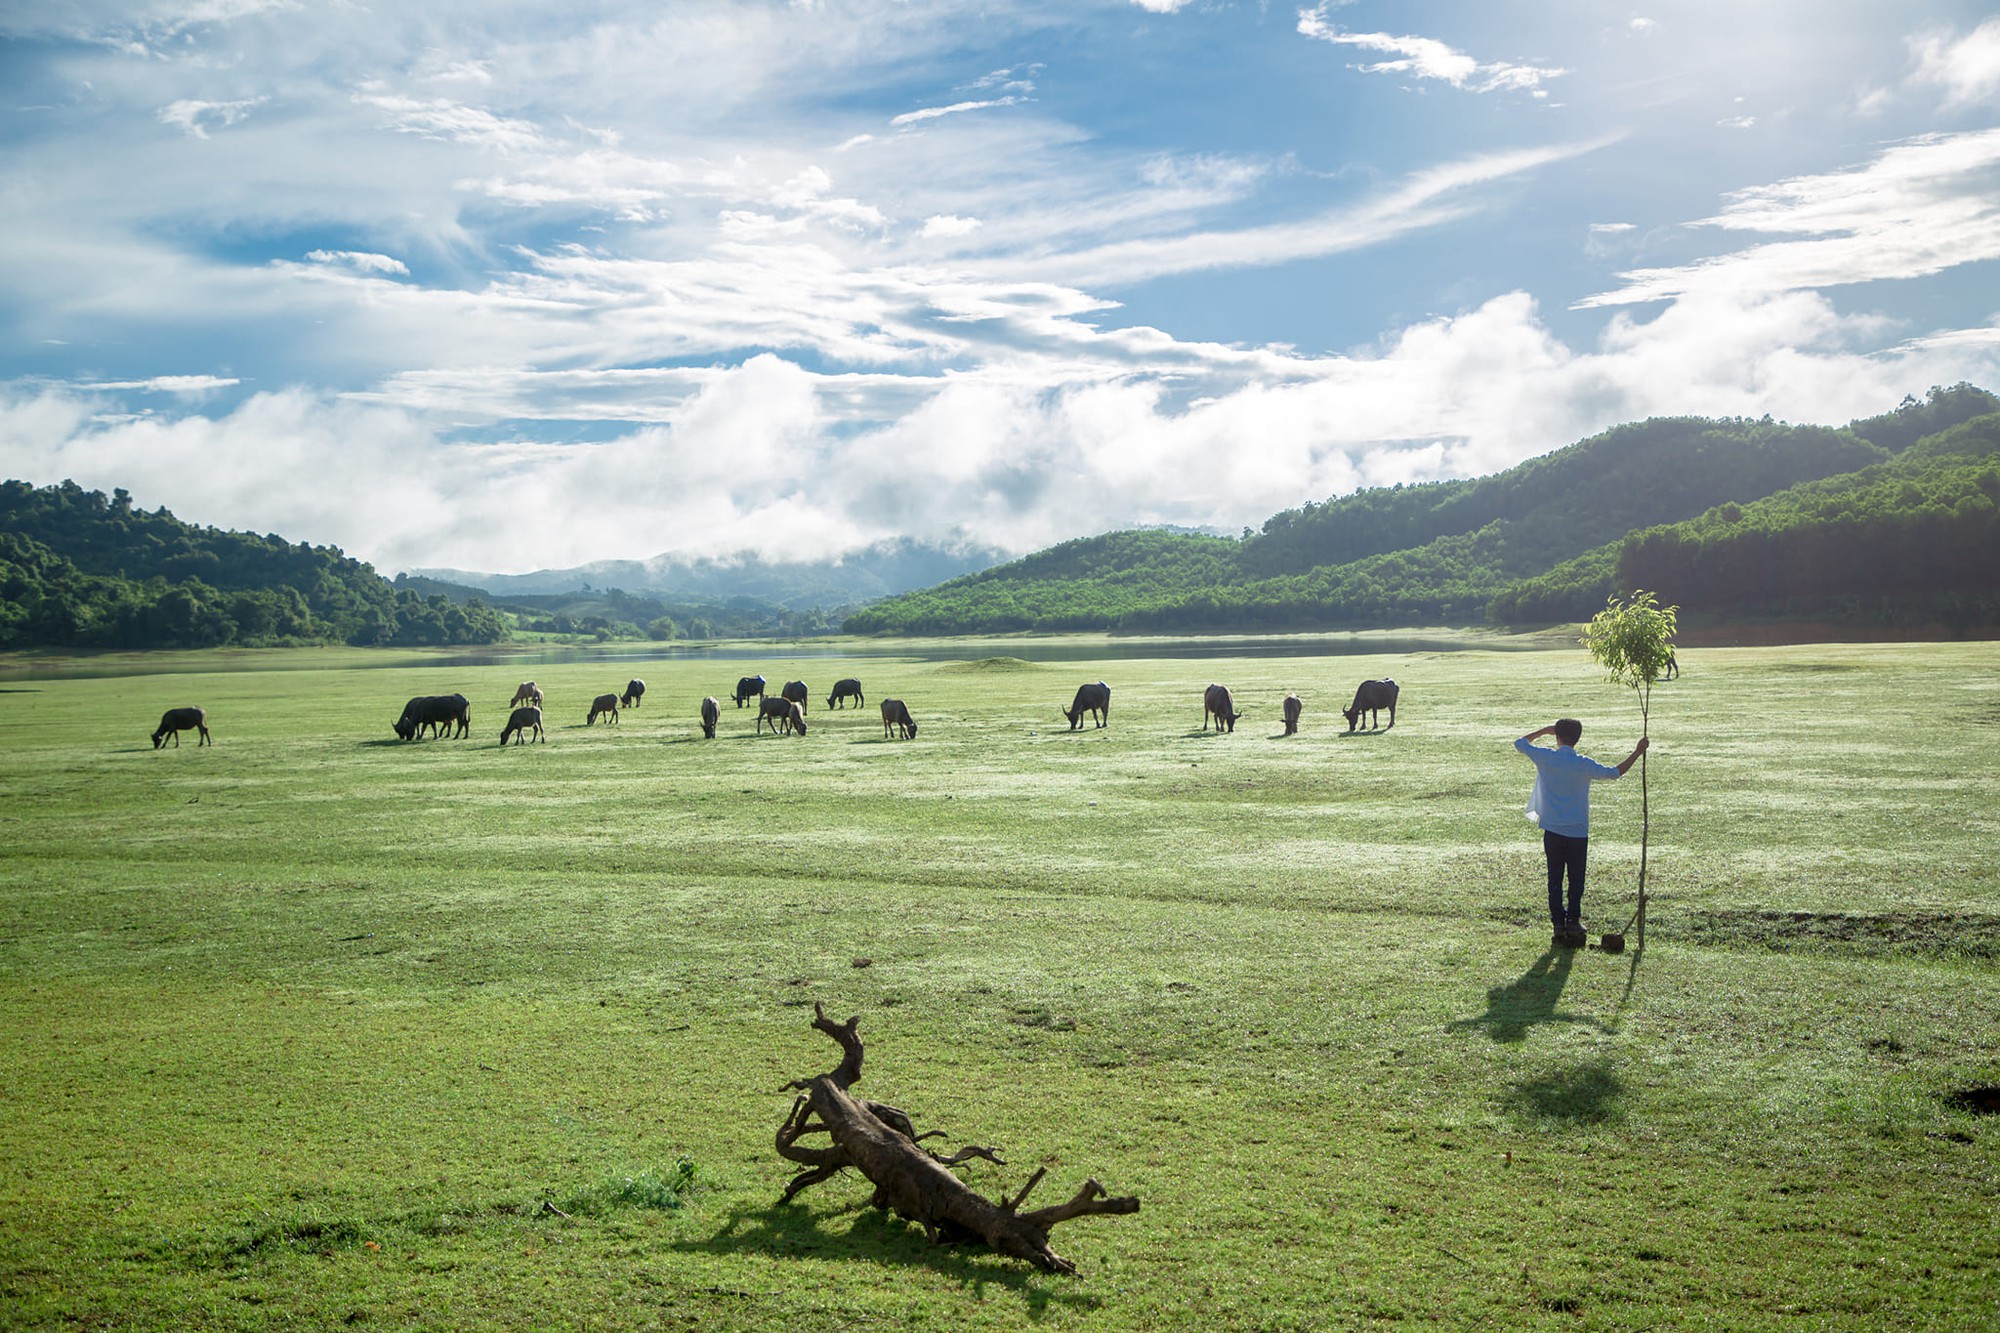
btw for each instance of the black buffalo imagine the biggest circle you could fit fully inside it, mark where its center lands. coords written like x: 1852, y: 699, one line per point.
x: 843, y: 690
x: 784, y: 715
x: 440, y: 712
x: 796, y: 692
x: 1216, y: 703
x: 522, y: 721
x: 176, y: 720
x: 748, y: 688
x: 633, y: 694
x: 1094, y: 699
x: 1371, y: 698
x: 711, y: 713
x: 895, y: 718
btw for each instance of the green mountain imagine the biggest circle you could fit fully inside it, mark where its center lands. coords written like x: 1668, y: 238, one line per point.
x: 79, y: 569
x: 1547, y: 540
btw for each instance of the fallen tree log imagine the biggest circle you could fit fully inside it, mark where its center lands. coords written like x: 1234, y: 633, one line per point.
x: 911, y: 1181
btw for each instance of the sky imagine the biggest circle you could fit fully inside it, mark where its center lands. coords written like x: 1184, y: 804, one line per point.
x: 504, y: 286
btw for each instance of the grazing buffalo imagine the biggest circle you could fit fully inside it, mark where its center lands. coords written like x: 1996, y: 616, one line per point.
x: 1216, y: 703
x: 1292, y: 710
x: 522, y: 721
x: 440, y: 712
x: 634, y: 692
x: 1094, y: 699
x: 526, y: 693
x: 843, y: 690
x: 711, y: 713
x: 1371, y: 698
x: 748, y: 688
x: 795, y: 690
x: 896, y: 717
x: 605, y: 705
x: 176, y: 720
x: 784, y: 715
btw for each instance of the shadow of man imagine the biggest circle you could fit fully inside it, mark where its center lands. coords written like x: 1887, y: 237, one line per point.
x: 1527, y: 1001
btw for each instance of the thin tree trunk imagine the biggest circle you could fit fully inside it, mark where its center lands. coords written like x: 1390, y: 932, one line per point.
x: 1645, y: 817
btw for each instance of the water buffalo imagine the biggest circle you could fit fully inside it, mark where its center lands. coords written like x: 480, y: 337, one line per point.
x: 1292, y: 710
x: 440, y: 712
x: 784, y: 715
x: 176, y: 720
x: 843, y: 690
x: 1371, y: 698
x: 795, y: 690
x: 1216, y: 703
x: 526, y: 693
x: 522, y: 721
x: 896, y: 717
x: 750, y: 687
x: 634, y: 692
x: 605, y: 704
x: 1094, y: 699
x: 711, y: 712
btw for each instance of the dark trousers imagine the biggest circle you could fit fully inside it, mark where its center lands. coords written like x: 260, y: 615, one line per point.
x: 1571, y: 854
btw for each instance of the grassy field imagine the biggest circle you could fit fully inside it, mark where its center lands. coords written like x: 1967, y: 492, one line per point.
x: 313, y: 1028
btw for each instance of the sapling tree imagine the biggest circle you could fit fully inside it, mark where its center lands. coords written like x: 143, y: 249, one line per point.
x: 1633, y: 641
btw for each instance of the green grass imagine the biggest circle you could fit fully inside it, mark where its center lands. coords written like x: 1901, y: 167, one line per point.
x: 312, y: 1027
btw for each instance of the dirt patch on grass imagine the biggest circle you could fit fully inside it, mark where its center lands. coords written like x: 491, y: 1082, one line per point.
x: 1981, y: 1100
x: 1942, y: 935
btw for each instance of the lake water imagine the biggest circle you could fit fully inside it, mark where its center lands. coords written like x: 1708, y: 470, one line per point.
x: 1053, y: 650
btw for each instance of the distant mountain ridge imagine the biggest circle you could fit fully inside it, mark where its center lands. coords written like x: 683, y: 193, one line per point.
x: 881, y: 570
x: 1550, y: 539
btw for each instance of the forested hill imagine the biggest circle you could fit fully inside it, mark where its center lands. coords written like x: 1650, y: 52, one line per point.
x: 82, y: 569
x: 1547, y: 540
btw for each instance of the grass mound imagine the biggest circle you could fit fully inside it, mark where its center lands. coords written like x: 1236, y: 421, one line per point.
x: 987, y: 664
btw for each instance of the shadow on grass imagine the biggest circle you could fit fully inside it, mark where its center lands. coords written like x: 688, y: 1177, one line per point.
x: 792, y: 1230
x: 1528, y: 1001
x: 1587, y: 1094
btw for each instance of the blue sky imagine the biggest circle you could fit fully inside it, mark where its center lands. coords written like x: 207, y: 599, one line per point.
x: 505, y: 286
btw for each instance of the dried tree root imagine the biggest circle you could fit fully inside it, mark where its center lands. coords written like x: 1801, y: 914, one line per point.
x: 911, y: 1181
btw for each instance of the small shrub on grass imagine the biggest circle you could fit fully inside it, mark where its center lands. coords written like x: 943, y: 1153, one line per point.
x: 663, y: 1191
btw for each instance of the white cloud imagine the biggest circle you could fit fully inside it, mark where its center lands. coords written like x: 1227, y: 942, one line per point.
x: 360, y: 261
x: 1021, y: 452
x: 1967, y: 68
x: 1428, y: 58
x: 455, y: 122
x: 949, y: 224
x: 194, y: 117
x: 1919, y: 208
x: 956, y: 108
x: 1425, y: 199
x: 186, y: 384
x: 1163, y: 6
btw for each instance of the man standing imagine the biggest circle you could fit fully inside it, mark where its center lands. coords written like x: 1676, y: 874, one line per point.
x: 1561, y: 805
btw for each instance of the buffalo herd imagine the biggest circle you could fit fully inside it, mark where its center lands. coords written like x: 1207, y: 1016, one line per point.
x: 450, y: 715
